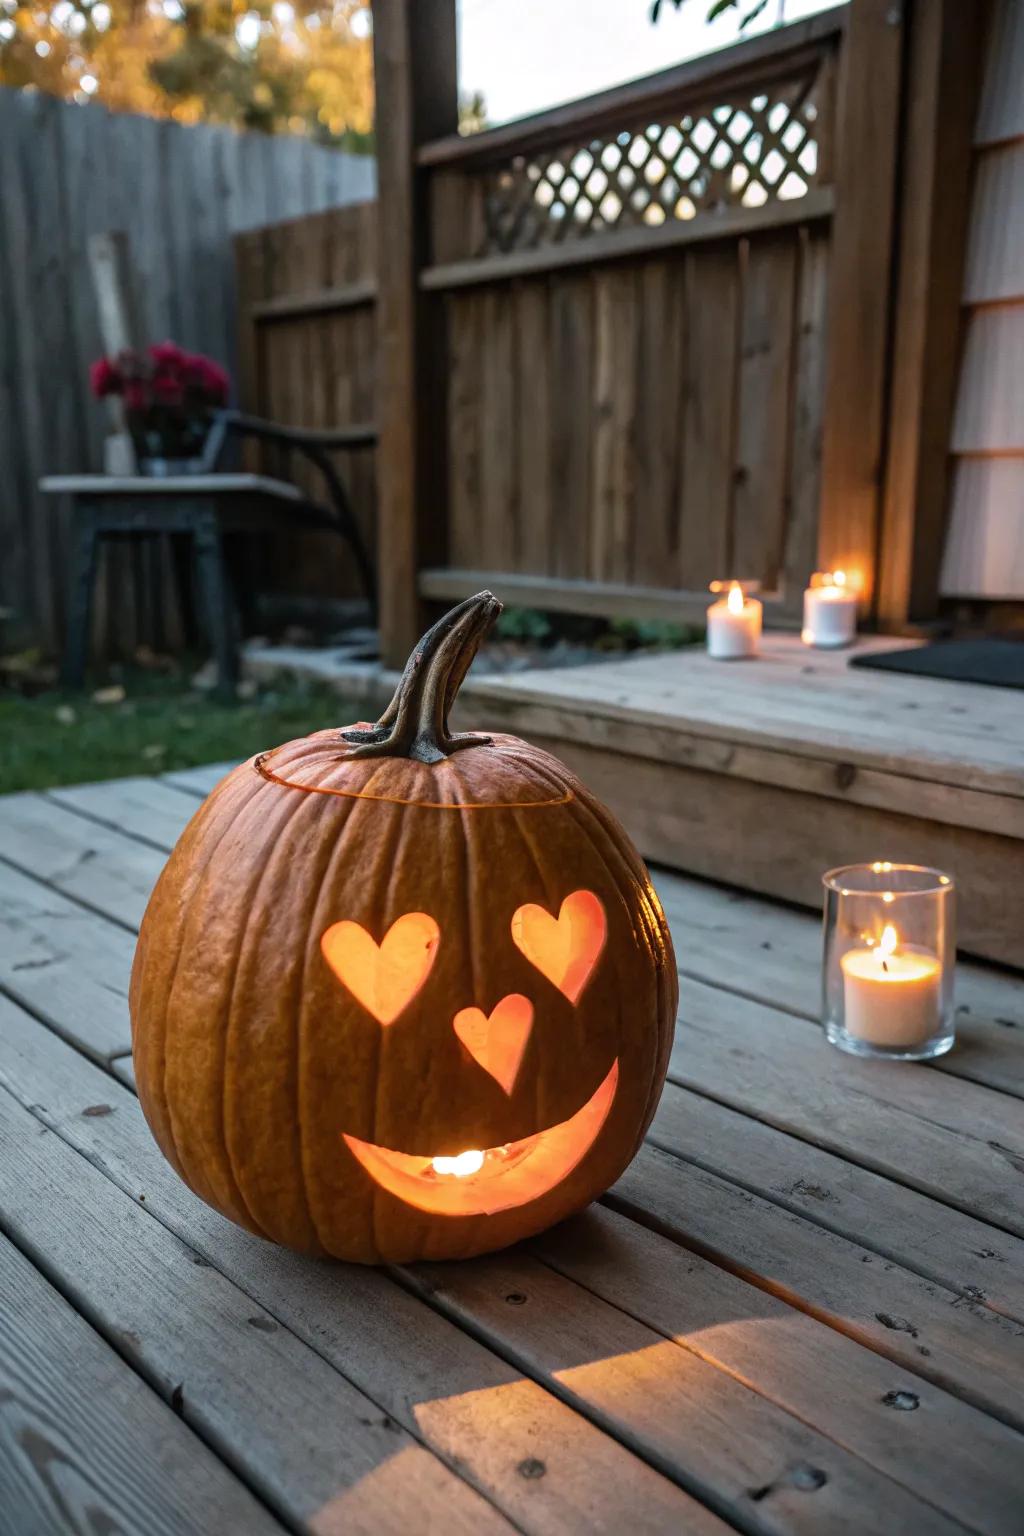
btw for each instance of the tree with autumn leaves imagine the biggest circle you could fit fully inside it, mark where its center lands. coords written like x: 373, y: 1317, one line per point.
x: 280, y: 66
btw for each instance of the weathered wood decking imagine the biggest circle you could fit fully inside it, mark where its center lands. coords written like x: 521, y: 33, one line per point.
x: 800, y: 1311
x: 766, y: 773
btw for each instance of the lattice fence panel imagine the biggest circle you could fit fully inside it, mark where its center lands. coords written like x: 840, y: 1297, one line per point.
x: 755, y: 148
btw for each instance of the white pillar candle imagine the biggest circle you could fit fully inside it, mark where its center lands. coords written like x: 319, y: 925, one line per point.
x: 892, y: 996
x: 830, y: 611
x: 734, y: 626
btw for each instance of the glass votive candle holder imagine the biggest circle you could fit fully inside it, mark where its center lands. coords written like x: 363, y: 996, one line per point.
x: 889, y: 960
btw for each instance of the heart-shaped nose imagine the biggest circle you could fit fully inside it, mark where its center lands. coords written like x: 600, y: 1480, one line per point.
x: 497, y: 1043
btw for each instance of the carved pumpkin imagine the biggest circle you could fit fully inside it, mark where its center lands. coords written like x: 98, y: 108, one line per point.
x: 400, y: 994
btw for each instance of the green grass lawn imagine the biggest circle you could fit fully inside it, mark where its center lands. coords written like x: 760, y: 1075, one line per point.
x: 161, y: 724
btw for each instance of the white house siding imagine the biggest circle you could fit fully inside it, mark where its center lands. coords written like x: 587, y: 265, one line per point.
x: 984, y: 555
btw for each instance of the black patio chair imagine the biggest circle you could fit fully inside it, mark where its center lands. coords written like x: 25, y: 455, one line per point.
x: 203, y: 512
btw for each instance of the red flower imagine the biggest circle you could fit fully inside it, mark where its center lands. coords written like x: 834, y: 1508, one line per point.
x: 135, y: 395
x: 207, y: 378
x: 217, y: 383
x: 167, y: 389
x: 104, y: 378
x: 163, y: 376
x: 167, y: 354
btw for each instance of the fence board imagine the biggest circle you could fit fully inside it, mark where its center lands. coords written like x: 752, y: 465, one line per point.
x: 804, y: 483
x: 180, y: 193
x: 656, y: 422
x: 465, y: 350
x: 614, y: 416
x: 531, y: 324
x: 712, y: 303
x: 660, y: 373
x: 498, y: 510
x: 571, y: 438
x: 307, y: 338
x: 763, y: 408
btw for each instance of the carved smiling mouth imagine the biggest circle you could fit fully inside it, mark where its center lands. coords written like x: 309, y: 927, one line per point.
x: 494, y: 1180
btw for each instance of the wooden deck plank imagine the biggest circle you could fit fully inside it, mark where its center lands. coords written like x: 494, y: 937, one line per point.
x: 958, y: 1142
x: 949, y: 1339
x: 804, y: 1229
x: 467, y: 1405
x: 744, y: 944
x: 84, y: 1444
x: 123, y: 1069
x: 320, y: 1453
x: 198, y: 781
x: 797, y: 727
x: 776, y: 841
x: 712, y: 928
x: 736, y: 773
x: 80, y: 858
x: 801, y: 703
x: 65, y: 964
x: 756, y: 1465
x: 149, y: 809
x: 678, y: 742
x: 817, y: 691
x: 788, y: 1357
x: 962, y: 1254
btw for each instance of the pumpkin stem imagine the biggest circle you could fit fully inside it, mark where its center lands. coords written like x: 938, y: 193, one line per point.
x: 415, y: 723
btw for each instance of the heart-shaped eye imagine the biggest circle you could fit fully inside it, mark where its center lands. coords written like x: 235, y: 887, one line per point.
x: 498, y: 1042
x: 384, y: 977
x: 563, y: 948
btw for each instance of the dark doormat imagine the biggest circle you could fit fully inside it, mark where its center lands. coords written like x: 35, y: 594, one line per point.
x: 996, y: 661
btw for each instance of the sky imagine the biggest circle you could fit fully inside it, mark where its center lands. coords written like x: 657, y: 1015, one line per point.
x: 525, y: 55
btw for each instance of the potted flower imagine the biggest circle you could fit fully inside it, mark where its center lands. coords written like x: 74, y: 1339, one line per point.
x: 169, y: 396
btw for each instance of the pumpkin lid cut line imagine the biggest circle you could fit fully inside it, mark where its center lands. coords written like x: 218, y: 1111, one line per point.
x: 261, y: 764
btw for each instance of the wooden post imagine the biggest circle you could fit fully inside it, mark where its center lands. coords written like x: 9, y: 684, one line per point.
x: 867, y: 139
x: 943, y: 73
x: 417, y: 100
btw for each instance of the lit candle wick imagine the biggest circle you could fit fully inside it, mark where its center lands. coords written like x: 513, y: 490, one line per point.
x: 887, y: 944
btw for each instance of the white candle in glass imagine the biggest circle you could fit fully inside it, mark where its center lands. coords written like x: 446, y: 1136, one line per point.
x: 734, y: 625
x: 830, y: 610
x: 891, y: 995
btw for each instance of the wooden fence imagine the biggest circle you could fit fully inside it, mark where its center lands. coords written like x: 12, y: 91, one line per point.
x: 180, y: 193
x: 651, y: 338
x: 636, y: 307
x: 625, y: 310
x: 639, y: 315
x: 308, y: 358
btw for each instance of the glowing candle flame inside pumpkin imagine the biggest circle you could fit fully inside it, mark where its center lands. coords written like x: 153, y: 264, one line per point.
x: 461, y: 1165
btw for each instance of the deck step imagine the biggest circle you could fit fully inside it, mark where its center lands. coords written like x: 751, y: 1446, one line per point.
x: 764, y: 774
